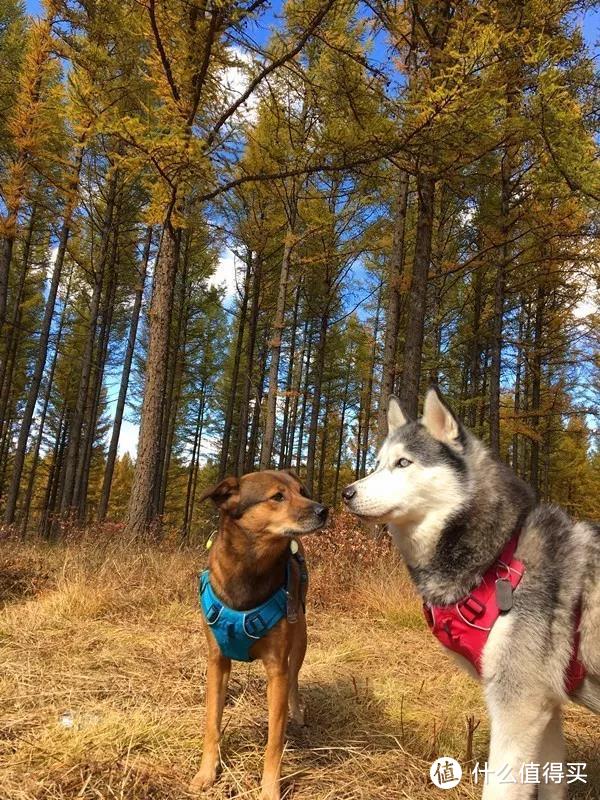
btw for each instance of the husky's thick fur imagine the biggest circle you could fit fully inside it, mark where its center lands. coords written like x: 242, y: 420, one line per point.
x: 451, y: 508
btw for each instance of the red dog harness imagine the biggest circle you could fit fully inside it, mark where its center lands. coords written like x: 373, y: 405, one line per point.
x: 464, y: 627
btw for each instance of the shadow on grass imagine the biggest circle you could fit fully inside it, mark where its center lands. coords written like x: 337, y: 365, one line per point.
x: 351, y: 743
x: 349, y: 746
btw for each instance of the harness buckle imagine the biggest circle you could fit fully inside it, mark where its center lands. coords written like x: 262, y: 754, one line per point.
x: 471, y: 608
x: 254, y: 625
x: 213, y: 613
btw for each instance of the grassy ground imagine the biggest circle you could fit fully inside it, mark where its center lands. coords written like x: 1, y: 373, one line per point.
x: 102, y: 682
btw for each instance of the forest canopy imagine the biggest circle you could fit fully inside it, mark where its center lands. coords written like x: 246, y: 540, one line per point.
x: 399, y: 194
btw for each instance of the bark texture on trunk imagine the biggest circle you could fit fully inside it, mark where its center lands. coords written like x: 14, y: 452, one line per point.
x: 139, y: 515
x: 366, y: 427
x: 45, y: 403
x: 77, y: 418
x: 247, y: 378
x: 316, y: 403
x: 536, y: 388
x: 239, y: 342
x: 275, y: 351
x: 283, y: 450
x: 413, y: 346
x: 394, y: 303
x: 120, y: 409
x: 36, y: 378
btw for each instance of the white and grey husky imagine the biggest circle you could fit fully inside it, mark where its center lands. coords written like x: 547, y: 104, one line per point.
x: 451, y: 509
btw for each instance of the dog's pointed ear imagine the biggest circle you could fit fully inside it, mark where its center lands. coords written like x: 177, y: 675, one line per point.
x: 224, y: 494
x: 439, y: 419
x: 396, y: 417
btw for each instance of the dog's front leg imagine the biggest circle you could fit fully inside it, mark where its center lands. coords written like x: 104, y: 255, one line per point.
x: 553, y: 752
x: 277, y: 699
x: 518, y: 727
x: 217, y: 677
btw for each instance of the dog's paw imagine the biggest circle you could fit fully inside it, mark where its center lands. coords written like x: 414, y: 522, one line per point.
x: 203, y: 780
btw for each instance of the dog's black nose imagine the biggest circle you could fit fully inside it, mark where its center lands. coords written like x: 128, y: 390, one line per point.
x: 348, y: 493
x: 321, y: 512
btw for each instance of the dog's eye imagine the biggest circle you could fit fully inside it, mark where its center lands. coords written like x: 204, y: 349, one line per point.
x: 403, y: 462
x: 277, y: 497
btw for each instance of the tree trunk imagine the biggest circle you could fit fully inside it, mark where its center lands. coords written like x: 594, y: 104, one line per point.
x: 536, y: 388
x: 413, y: 347
x: 77, y: 419
x: 437, y: 278
x: 341, y: 436
x: 54, y: 478
x: 43, y: 414
x: 304, y: 400
x: 507, y: 167
x: 316, y: 404
x: 228, y: 423
x: 247, y: 380
x: 40, y: 363
x: 36, y: 379
x: 324, y: 442
x: 193, y: 469
x: 476, y: 348
x: 120, y: 409
x: 518, y: 389
x: 275, y: 350
x: 283, y: 450
x: 12, y: 338
x: 296, y: 392
x: 256, y: 412
x: 4, y: 451
x: 392, y: 316
x: 139, y: 517
x: 93, y: 408
x: 173, y: 394
x: 369, y: 393
x: 498, y: 318
x: 359, y: 438
x: 6, y: 250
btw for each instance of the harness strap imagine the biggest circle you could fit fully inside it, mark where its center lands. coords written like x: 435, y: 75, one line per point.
x: 237, y: 631
x: 464, y: 626
x: 296, y: 586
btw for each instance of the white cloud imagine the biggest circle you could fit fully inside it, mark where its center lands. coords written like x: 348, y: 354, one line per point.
x: 589, y: 302
x: 585, y: 308
x: 128, y: 438
x: 52, y: 255
x: 225, y: 273
x: 235, y: 82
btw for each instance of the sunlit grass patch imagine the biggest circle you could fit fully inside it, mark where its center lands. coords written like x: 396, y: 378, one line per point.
x: 102, y: 685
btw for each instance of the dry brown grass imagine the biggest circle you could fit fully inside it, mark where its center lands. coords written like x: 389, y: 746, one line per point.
x: 101, y: 689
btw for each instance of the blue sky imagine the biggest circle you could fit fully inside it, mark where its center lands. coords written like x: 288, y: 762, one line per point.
x: 590, y: 21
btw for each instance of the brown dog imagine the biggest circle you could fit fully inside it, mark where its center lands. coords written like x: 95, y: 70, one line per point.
x: 249, y: 561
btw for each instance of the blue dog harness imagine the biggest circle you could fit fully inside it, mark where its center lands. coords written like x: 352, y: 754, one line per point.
x: 236, y: 631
